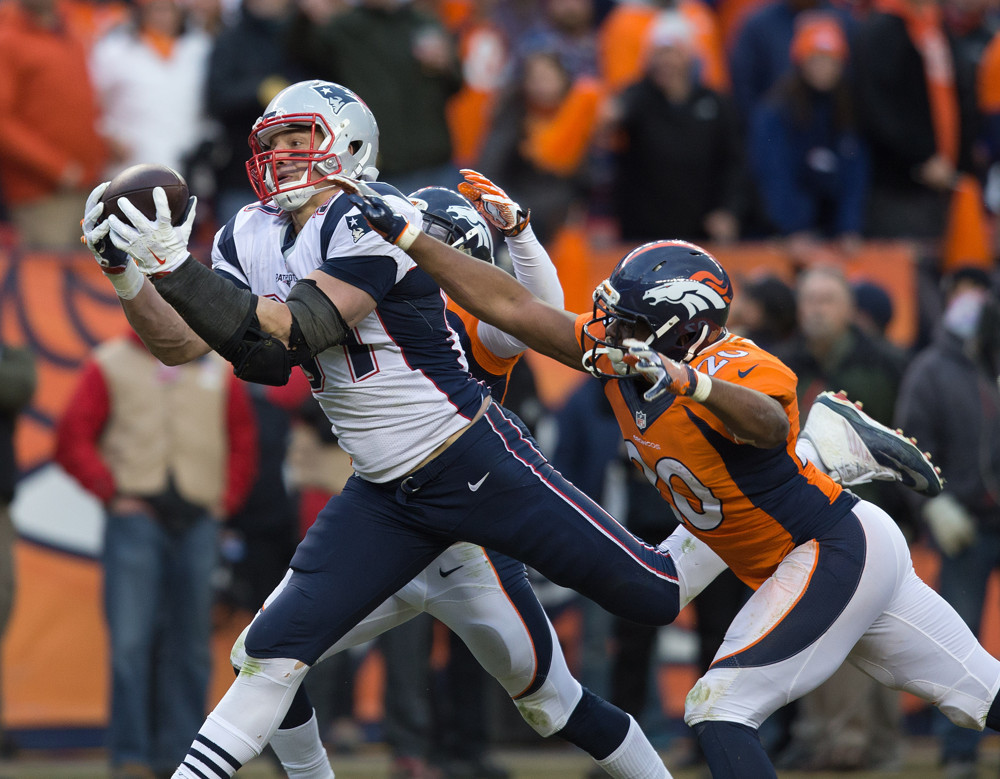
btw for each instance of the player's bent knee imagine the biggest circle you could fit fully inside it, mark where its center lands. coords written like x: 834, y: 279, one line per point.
x: 548, y: 709
x: 238, y: 654
x: 707, y: 702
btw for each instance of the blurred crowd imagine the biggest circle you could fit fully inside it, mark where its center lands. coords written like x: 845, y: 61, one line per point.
x: 821, y: 124
x: 709, y: 121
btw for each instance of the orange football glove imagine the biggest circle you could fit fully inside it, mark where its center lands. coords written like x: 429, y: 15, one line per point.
x: 493, y: 203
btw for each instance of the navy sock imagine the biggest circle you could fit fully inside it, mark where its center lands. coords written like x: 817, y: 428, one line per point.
x: 733, y: 750
x: 298, y: 713
x: 595, y: 726
x: 993, y: 715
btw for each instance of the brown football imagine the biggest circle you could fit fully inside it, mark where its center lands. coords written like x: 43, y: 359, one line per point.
x: 137, y: 184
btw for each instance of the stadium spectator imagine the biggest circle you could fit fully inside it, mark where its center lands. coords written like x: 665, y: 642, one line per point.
x: 50, y: 150
x: 917, y: 113
x: 540, y: 137
x: 949, y: 401
x: 170, y: 452
x: 624, y: 37
x: 18, y: 379
x: 681, y: 170
x: 971, y: 24
x: 850, y: 721
x: 485, y: 56
x: 248, y: 66
x: 567, y: 28
x: 761, y: 53
x: 764, y: 311
x: 150, y: 82
x: 405, y: 64
x: 988, y: 99
x: 808, y: 159
x: 873, y: 308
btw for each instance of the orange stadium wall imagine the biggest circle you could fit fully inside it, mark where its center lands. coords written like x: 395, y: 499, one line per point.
x: 55, y: 669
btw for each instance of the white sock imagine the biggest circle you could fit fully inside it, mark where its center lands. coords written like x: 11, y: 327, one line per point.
x: 635, y: 758
x: 219, y: 750
x: 301, y: 751
x: 245, y: 719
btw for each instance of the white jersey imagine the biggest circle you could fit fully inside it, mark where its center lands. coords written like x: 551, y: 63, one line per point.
x: 399, y: 385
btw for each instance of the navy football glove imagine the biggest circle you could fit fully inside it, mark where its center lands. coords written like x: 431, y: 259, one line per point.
x: 395, y: 228
x: 664, y: 374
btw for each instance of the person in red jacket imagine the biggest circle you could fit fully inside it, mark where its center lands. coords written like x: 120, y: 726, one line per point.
x: 170, y: 452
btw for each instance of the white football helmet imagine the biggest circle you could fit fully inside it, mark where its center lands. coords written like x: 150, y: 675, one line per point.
x: 344, y: 139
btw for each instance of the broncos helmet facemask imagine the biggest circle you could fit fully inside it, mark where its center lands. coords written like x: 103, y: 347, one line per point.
x: 675, y: 289
x: 343, y: 138
x: 452, y: 219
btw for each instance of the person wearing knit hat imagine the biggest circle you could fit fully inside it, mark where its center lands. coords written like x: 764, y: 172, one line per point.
x: 806, y: 151
x: 680, y: 170
x: 818, y: 34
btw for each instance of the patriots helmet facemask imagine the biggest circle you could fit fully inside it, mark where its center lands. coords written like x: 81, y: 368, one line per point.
x: 343, y: 138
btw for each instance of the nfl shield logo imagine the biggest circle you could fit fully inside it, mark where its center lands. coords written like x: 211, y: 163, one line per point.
x: 640, y: 420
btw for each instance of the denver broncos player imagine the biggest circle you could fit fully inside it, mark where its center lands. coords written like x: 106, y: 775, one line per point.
x: 715, y: 433
x: 300, y: 279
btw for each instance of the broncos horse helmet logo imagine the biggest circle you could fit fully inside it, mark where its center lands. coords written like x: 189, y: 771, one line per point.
x: 695, y: 296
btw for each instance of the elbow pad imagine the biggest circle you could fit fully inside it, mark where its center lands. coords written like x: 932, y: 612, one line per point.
x: 316, y: 322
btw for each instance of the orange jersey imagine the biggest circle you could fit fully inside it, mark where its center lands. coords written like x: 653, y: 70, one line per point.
x: 493, y: 371
x: 751, y: 505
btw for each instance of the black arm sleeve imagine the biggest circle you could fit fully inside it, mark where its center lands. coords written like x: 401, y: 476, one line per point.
x: 225, y: 316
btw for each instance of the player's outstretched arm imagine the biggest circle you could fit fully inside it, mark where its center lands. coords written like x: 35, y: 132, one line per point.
x: 531, y: 263
x: 167, y: 336
x: 483, y: 290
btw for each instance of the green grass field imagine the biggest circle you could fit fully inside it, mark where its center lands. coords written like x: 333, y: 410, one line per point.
x: 541, y: 763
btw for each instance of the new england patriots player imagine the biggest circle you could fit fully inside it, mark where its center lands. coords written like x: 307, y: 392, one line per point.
x: 712, y: 420
x: 483, y: 596
x: 301, y: 279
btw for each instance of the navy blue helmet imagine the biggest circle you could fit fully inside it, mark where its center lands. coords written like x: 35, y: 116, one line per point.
x: 451, y: 218
x: 676, y: 289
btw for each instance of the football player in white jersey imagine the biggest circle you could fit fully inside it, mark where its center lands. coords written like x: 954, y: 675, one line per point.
x: 301, y: 279
x: 483, y: 596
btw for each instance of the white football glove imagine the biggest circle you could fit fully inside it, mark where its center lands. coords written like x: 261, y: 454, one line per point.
x: 493, y: 203
x: 952, y: 527
x: 157, y: 246
x: 116, y: 265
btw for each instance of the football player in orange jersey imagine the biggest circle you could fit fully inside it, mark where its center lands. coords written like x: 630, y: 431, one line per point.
x: 712, y: 420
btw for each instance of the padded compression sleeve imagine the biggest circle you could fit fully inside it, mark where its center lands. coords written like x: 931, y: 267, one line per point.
x: 216, y: 309
x: 316, y: 322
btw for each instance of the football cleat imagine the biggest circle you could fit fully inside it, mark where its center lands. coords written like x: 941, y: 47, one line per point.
x: 856, y: 449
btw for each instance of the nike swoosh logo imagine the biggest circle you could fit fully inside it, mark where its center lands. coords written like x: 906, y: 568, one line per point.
x: 156, y: 258
x: 450, y: 571
x: 744, y: 374
x: 478, y: 484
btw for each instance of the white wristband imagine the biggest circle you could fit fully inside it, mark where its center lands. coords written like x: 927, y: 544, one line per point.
x: 702, y: 389
x: 408, y: 236
x: 127, y: 283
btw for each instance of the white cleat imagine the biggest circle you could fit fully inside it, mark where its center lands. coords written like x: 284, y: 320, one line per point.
x: 856, y: 449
